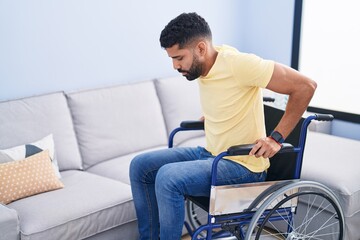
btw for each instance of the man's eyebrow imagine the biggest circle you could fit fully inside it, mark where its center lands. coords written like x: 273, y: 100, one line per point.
x: 176, y: 57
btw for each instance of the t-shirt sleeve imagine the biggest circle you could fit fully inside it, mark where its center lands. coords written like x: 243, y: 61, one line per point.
x: 251, y: 70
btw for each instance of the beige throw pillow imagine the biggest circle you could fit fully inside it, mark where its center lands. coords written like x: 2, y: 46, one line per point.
x: 27, y: 177
x: 26, y: 150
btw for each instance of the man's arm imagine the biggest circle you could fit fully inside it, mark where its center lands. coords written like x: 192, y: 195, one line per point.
x: 300, y: 89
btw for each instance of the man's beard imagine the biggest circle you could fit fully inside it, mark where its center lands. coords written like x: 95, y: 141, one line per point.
x: 194, y: 72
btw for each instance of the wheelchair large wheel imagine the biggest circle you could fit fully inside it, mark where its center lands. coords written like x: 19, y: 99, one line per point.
x: 301, y: 210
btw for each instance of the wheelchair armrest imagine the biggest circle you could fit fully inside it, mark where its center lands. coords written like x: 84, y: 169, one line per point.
x: 192, y: 125
x: 185, y: 126
x: 244, y: 149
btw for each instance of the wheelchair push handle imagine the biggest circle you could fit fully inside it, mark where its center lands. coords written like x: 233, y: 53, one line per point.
x: 244, y: 149
x: 324, y: 117
x: 194, y: 125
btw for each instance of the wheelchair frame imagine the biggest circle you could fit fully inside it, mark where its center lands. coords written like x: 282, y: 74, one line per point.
x: 261, y: 204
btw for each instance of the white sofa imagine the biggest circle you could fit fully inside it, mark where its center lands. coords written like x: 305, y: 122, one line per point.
x: 96, y: 133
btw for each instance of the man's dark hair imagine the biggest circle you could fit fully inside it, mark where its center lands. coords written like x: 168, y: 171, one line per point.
x: 184, y: 29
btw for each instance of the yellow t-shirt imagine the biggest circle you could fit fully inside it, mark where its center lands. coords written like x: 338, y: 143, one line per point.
x: 231, y: 99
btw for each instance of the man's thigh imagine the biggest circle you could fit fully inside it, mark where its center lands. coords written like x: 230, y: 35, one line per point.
x: 194, y: 177
x: 147, y: 164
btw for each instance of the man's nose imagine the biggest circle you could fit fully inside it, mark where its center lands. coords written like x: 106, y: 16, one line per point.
x: 176, y: 65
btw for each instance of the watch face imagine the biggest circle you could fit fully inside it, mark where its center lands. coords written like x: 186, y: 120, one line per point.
x: 277, y: 136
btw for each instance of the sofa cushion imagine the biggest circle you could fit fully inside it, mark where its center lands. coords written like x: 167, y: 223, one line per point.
x: 29, y: 119
x: 180, y: 101
x: 117, y: 168
x: 27, y: 177
x: 116, y: 121
x: 26, y: 150
x: 77, y: 211
x: 9, y: 223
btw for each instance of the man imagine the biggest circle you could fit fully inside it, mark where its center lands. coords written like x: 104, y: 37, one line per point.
x: 230, y: 91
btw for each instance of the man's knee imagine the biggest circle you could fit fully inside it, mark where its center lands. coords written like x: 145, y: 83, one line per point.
x: 167, y: 179
x: 138, y: 165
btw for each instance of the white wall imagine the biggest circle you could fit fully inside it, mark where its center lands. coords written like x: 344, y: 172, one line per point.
x: 69, y: 45
x: 77, y: 44
x: 268, y: 29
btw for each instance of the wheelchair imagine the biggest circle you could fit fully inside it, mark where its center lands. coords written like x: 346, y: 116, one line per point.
x: 282, y: 207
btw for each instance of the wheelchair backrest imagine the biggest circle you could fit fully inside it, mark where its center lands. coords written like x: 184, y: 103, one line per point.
x: 282, y: 166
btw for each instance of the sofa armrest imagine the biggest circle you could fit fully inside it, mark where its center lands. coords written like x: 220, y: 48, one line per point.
x: 9, y: 223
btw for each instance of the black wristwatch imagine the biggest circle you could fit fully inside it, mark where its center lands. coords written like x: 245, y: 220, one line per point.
x: 277, y: 137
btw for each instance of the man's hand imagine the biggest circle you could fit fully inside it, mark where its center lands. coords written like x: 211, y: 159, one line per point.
x: 265, y: 147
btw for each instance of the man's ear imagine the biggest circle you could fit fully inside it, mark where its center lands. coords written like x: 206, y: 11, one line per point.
x: 201, y: 48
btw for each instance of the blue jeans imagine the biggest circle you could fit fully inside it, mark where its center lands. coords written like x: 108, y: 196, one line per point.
x: 161, y: 179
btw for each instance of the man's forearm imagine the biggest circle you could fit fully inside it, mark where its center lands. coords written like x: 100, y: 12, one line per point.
x: 297, y: 103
